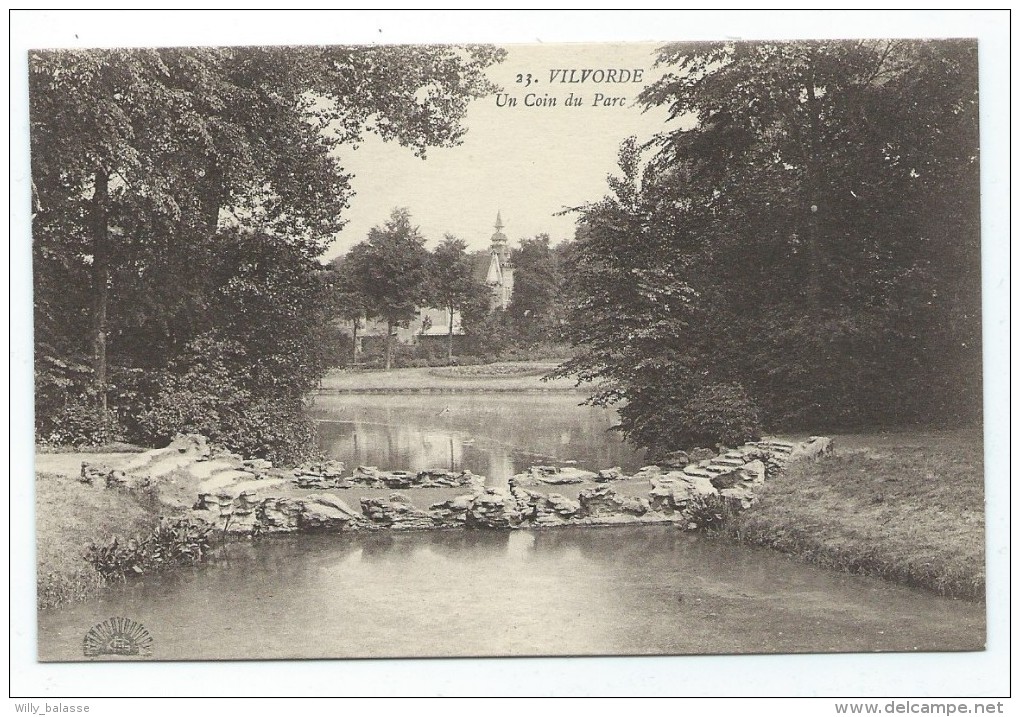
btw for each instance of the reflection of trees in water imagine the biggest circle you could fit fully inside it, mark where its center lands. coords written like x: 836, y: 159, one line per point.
x: 456, y: 544
x: 491, y: 434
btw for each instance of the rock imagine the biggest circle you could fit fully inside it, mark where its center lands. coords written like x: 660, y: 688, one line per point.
x: 451, y: 513
x: 441, y: 478
x: 740, y: 495
x: 551, y: 475
x: 696, y: 471
x: 496, y: 508
x: 280, y: 515
x: 660, y: 498
x: 550, y: 510
x: 243, y: 516
x: 396, y: 514
x: 754, y: 472
x: 336, y: 503
x: 322, y: 516
x: 727, y: 479
x: 192, y: 444
x: 675, y: 460
x: 116, y: 479
x: 648, y: 472
x: 258, y: 465
x: 90, y: 473
x: 776, y: 447
x: 814, y: 447
x: 367, y: 476
x: 607, y: 475
x: 716, y: 469
x: 701, y: 454
x: 671, y: 494
x: 603, y: 501
x: 315, y: 482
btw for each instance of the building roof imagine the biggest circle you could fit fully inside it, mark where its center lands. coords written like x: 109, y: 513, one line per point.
x: 494, y: 274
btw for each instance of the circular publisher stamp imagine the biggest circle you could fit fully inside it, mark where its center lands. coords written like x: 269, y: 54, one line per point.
x: 118, y: 636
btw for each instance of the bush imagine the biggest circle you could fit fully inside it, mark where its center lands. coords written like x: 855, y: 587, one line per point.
x: 710, y: 512
x: 80, y: 423
x: 665, y: 418
x: 177, y: 542
x: 206, y: 392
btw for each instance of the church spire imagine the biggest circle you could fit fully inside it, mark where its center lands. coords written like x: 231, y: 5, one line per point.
x: 499, y: 221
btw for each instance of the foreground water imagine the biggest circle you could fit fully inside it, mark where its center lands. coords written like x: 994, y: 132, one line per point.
x: 568, y: 591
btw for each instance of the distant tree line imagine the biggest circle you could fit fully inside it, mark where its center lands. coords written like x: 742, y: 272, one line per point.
x: 181, y: 199
x: 801, y: 252
x: 391, y: 276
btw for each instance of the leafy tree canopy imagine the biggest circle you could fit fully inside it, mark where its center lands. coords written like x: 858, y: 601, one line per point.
x: 805, y: 242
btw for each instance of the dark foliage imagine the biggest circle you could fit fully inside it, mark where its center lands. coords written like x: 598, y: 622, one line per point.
x: 138, y: 158
x: 809, y: 239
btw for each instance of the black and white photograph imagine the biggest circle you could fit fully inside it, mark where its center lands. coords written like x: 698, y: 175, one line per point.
x: 473, y: 349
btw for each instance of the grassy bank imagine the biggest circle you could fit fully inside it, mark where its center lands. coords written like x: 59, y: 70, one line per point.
x: 71, y: 515
x: 903, y: 506
x: 509, y: 376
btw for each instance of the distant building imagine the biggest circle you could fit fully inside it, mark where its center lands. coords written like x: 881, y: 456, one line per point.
x: 495, y: 270
x: 500, y: 274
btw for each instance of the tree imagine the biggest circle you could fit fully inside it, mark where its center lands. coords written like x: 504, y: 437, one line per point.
x: 790, y: 248
x: 454, y: 286
x: 533, y: 306
x: 392, y: 267
x: 348, y: 298
x: 851, y: 169
x: 243, y: 381
x: 138, y: 156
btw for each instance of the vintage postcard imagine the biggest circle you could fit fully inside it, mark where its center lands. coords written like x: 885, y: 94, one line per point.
x: 503, y: 350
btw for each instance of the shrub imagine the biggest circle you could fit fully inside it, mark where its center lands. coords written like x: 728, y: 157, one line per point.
x: 710, y: 512
x: 80, y: 423
x: 207, y: 392
x: 666, y: 418
x: 177, y: 542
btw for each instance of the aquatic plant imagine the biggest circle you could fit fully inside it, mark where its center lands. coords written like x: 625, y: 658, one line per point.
x: 172, y: 542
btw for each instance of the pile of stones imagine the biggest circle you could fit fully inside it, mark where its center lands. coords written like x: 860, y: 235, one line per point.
x: 678, y: 486
x: 330, y: 475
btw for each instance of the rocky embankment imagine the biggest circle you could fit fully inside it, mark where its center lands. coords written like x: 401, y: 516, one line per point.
x: 253, y: 497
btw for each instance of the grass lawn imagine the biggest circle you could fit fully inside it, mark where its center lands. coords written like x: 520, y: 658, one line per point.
x: 69, y: 516
x: 504, y: 376
x: 906, y: 506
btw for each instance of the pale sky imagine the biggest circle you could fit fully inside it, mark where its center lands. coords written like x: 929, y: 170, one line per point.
x: 527, y: 162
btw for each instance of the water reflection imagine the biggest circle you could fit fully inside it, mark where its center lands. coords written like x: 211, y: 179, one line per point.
x: 571, y: 591
x: 626, y: 590
x: 492, y: 435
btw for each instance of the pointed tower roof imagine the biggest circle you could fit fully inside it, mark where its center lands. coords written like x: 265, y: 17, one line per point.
x: 495, y: 273
x: 499, y: 238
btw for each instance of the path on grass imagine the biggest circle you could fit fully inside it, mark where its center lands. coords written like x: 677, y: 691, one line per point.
x: 515, y: 377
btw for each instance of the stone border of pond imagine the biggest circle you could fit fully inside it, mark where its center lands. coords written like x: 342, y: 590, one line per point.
x: 251, y: 497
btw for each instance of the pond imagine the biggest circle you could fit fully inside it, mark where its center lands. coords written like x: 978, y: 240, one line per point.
x: 494, y: 435
x: 569, y: 591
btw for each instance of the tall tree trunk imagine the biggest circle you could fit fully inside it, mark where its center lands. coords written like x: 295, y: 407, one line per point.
x: 449, y: 339
x: 389, y: 339
x: 814, y: 248
x: 354, y: 342
x: 100, y: 283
